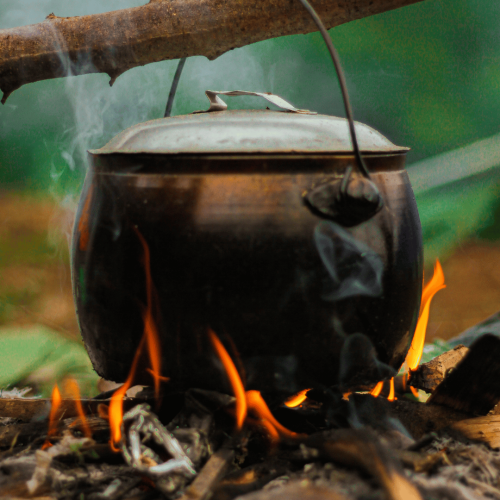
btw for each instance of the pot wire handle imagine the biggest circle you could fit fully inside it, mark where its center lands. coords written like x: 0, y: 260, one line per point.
x: 352, y: 201
x: 217, y: 104
x: 343, y: 85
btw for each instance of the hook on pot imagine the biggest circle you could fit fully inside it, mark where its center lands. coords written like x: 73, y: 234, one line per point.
x: 350, y: 200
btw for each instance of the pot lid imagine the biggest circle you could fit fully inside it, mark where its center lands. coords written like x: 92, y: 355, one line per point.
x: 246, y: 131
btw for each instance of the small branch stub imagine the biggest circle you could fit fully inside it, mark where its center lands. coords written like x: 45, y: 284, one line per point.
x: 117, y: 41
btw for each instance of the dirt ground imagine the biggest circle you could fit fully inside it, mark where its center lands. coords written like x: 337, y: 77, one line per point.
x: 35, y: 281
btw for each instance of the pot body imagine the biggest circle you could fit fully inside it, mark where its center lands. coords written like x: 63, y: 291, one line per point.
x: 235, y: 248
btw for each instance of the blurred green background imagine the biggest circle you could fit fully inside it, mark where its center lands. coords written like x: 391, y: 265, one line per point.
x: 427, y: 76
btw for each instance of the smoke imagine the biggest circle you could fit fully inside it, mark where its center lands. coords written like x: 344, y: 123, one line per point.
x: 352, y: 267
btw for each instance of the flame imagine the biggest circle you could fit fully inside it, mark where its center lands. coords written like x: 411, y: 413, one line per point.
x: 116, y: 404
x: 346, y: 395
x: 55, y: 403
x: 150, y: 330
x: 234, y: 379
x: 250, y: 400
x: 272, y: 433
x: 71, y: 386
x: 391, y: 396
x: 259, y: 408
x: 417, y: 346
x: 404, y: 380
x: 297, y: 399
x: 377, y: 389
x: 152, y: 339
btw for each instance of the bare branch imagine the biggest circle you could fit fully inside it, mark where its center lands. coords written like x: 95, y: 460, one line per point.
x: 114, y: 42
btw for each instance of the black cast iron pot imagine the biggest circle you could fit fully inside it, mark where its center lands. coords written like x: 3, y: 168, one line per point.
x: 240, y: 242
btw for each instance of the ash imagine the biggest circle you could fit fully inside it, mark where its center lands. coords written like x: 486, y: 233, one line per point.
x: 192, y: 452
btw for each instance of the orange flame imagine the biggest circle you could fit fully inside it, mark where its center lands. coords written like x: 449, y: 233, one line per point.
x: 55, y: 403
x: 249, y: 400
x: 116, y: 404
x: 417, y: 346
x: 377, y: 389
x: 297, y: 399
x: 272, y: 433
x: 404, y: 380
x: 150, y: 330
x: 234, y: 379
x: 259, y: 408
x: 392, y: 396
x: 152, y: 339
x: 71, y: 386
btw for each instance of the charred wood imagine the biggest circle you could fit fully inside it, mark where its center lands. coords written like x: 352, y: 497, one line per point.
x: 484, y: 429
x: 429, y: 375
x: 204, y: 484
x: 295, y: 490
x: 420, y: 419
x: 474, y: 385
x: 251, y: 478
x: 362, y: 449
x: 115, y: 42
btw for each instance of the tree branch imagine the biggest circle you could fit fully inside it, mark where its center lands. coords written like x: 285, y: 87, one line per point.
x: 114, y: 42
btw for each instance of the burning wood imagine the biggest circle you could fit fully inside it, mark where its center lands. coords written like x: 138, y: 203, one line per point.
x: 417, y: 346
x: 473, y: 385
x: 429, y: 375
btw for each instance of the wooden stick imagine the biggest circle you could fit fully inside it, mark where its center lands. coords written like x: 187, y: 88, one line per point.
x: 473, y: 386
x: 361, y: 449
x: 484, y: 429
x: 24, y: 409
x: 210, y: 475
x: 114, y: 42
x: 429, y: 375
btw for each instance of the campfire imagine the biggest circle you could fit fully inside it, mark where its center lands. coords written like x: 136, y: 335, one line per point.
x: 319, y: 443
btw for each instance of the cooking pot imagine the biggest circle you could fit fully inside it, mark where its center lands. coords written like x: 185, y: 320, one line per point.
x: 238, y: 211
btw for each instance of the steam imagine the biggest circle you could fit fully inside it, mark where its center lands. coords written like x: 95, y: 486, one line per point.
x: 352, y: 267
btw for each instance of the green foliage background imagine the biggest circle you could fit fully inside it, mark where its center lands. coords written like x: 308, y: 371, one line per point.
x: 426, y: 75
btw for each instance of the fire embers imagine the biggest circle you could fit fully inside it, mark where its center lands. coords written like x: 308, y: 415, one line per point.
x: 353, y: 268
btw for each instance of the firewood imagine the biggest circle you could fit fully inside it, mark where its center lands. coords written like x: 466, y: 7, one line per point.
x: 420, y: 419
x: 17, y: 434
x: 117, y: 41
x: 429, y: 375
x: 420, y: 462
x: 210, y: 475
x: 362, y: 449
x: 25, y: 409
x: 484, y: 429
x: 474, y: 385
x: 295, y: 490
x: 251, y: 478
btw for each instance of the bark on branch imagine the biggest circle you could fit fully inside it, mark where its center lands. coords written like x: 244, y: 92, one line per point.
x: 117, y: 41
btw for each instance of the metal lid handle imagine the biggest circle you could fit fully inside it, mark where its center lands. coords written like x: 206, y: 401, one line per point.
x: 217, y: 104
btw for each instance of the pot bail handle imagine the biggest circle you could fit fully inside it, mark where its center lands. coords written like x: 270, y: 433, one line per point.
x: 217, y: 104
